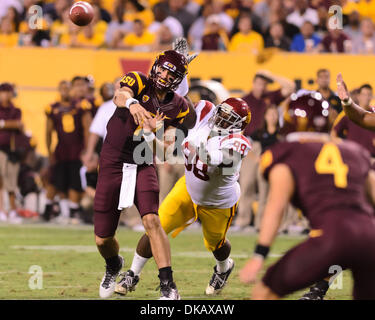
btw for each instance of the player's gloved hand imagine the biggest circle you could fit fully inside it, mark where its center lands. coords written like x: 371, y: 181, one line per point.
x: 181, y: 46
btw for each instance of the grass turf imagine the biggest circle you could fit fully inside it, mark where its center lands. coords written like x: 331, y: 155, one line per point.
x: 72, y: 268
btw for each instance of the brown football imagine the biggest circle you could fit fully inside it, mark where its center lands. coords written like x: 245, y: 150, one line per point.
x: 81, y: 13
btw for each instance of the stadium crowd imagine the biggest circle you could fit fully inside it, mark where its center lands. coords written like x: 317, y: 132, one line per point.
x: 241, y: 25
x: 34, y: 185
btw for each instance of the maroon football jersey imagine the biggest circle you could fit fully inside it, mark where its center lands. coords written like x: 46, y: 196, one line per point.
x: 120, y: 141
x: 8, y: 113
x: 67, y: 122
x: 328, y: 176
x: 346, y: 128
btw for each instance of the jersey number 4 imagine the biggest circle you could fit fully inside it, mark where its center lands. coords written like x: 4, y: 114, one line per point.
x: 329, y: 161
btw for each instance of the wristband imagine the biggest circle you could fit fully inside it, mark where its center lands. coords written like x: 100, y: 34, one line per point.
x: 149, y: 136
x: 2, y: 123
x: 347, y: 102
x: 261, y: 251
x: 130, y: 101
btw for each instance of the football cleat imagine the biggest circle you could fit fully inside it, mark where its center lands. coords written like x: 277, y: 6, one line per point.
x: 314, y: 294
x: 219, y: 280
x: 128, y: 282
x: 168, y: 291
x: 108, y: 283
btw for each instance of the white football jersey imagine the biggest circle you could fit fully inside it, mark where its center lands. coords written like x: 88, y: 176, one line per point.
x: 212, y: 185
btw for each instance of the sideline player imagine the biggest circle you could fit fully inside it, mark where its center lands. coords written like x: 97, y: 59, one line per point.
x: 209, y: 189
x: 358, y: 115
x: 138, y: 98
x: 331, y: 182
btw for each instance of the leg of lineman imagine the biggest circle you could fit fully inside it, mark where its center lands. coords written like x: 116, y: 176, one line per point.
x: 215, y: 224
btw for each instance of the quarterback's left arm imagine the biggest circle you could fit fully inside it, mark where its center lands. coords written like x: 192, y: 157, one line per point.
x: 191, y: 117
x: 278, y: 198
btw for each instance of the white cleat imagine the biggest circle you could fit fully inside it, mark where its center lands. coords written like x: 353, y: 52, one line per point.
x: 14, y: 218
x: 108, y: 283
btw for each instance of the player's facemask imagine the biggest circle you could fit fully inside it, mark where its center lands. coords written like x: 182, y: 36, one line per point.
x: 225, y: 121
x: 165, y: 80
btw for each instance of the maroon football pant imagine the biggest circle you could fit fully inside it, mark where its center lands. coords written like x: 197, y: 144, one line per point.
x: 348, y: 241
x: 146, y: 198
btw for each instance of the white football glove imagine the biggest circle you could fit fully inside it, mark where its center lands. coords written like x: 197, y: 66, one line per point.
x: 181, y: 46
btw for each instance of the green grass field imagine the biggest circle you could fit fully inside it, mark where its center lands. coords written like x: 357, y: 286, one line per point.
x: 72, y: 267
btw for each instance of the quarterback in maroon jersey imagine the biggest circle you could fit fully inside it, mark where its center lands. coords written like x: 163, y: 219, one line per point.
x: 331, y: 182
x: 138, y: 99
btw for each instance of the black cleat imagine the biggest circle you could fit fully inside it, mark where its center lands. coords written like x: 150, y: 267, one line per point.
x: 219, y: 280
x: 168, y: 291
x: 314, y: 294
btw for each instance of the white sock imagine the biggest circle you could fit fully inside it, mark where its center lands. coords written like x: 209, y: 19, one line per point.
x: 64, y: 208
x: 222, y: 266
x: 73, y: 205
x: 138, y: 264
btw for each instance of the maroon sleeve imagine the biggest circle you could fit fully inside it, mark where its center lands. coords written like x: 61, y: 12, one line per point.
x: 17, y: 114
x: 278, y: 153
x: 135, y: 81
x: 275, y: 97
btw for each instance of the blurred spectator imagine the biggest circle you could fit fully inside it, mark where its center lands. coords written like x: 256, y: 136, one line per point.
x: 62, y: 29
x: 135, y: 10
x: 6, y: 4
x: 365, y: 42
x: 177, y: 10
x: 277, y: 38
x: 8, y: 35
x: 140, y: 39
x: 335, y: 41
x: 245, y: 8
x: 54, y: 11
x: 15, y: 17
x: 215, y: 37
x: 166, y: 28
x: 117, y: 22
x: 307, y: 40
x: 103, y: 13
x: 31, y: 36
x: 303, y: 13
x: 92, y: 35
x: 196, y: 30
x: 290, y: 30
x: 193, y: 7
x: 352, y: 29
x: 323, y: 80
x: 246, y: 40
x: 258, y: 99
x: 226, y: 21
x: 262, y: 10
x: 10, y: 125
x: 267, y: 135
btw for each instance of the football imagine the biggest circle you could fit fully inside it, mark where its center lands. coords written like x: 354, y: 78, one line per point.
x: 81, y: 13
